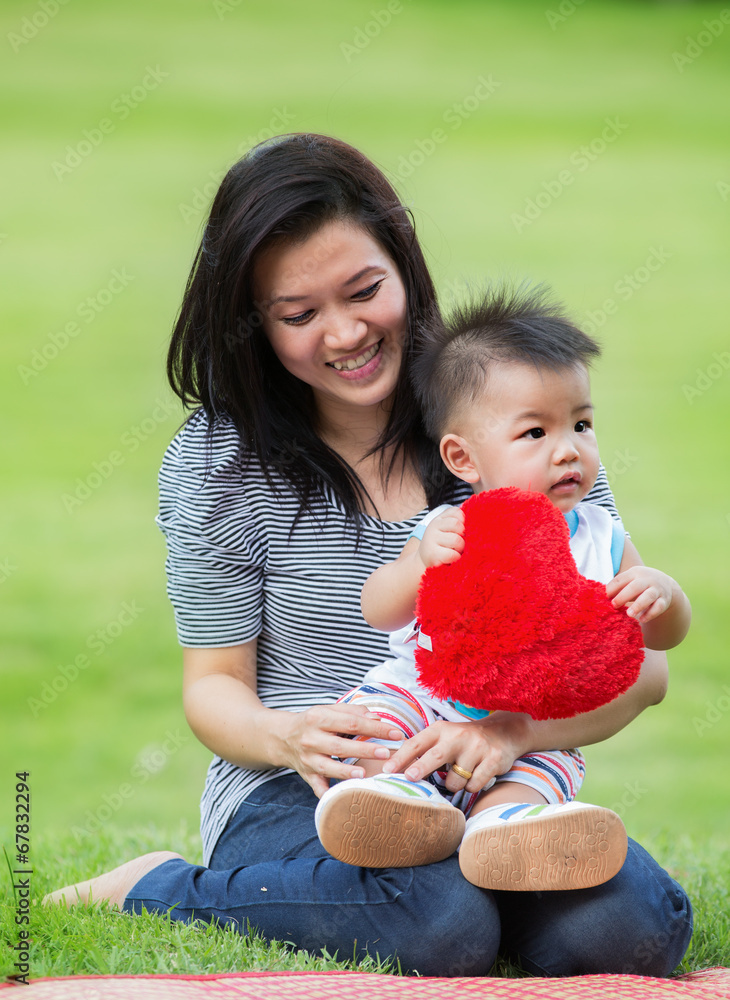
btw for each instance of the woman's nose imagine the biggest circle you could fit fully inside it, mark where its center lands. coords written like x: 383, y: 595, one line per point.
x: 344, y: 333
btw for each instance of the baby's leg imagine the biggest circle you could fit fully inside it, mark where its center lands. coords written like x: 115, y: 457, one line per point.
x: 394, y: 705
x: 526, y: 833
x: 507, y: 792
x: 550, y: 778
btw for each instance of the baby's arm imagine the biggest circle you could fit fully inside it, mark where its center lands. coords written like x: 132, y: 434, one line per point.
x: 389, y: 595
x: 656, y: 601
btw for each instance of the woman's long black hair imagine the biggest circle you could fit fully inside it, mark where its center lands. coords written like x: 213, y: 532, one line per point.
x: 220, y: 357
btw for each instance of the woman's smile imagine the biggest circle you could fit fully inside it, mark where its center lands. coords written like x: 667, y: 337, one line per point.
x: 358, y: 366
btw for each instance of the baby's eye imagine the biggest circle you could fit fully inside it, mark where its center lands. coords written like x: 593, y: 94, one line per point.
x: 534, y: 433
x: 297, y: 320
x: 582, y: 426
x: 367, y: 293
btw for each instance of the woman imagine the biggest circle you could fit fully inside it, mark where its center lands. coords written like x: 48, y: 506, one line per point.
x: 305, y: 468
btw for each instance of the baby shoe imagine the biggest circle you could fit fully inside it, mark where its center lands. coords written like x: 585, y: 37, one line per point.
x: 531, y: 847
x: 387, y: 821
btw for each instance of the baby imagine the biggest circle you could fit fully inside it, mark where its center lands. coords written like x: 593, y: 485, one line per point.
x: 505, y: 391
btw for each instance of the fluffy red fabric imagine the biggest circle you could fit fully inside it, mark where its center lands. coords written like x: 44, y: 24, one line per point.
x: 514, y: 625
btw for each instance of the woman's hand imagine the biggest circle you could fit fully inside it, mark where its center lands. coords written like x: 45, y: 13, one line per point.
x: 486, y: 747
x: 310, y: 740
x: 227, y: 716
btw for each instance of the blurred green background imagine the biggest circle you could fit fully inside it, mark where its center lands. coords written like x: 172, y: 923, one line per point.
x: 585, y: 145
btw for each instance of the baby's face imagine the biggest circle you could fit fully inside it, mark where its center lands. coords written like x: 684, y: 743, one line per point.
x: 532, y: 429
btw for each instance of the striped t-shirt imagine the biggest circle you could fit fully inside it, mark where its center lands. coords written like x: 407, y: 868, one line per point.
x: 236, y: 571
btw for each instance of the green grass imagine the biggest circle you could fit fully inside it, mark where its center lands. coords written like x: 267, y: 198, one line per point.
x: 104, y: 941
x: 66, y: 574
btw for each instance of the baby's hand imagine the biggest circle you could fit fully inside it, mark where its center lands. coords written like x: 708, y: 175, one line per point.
x: 648, y: 592
x: 442, y: 541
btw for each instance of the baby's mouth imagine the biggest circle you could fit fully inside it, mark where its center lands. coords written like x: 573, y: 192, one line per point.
x: 571, y: 477
x: 352, y: 364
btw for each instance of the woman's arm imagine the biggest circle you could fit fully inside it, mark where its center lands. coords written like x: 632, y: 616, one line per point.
x: 494, y: 743
x: 604, y: 722
x: 224, y: 712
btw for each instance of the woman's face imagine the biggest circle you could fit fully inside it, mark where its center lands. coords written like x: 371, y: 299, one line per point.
x: 334, y: 310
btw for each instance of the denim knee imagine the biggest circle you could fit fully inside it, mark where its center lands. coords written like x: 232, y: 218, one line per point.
x: 469, y: 932
x: 446, y: 926
x: 640, y: 921
x: 665, y: 931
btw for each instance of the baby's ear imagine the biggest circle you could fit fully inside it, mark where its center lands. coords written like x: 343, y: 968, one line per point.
x: 456, y: 456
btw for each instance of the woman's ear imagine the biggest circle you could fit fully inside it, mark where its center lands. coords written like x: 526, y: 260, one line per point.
x: 456, y: 456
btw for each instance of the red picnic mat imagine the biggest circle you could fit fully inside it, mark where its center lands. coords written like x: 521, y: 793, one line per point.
x: 710, y: 984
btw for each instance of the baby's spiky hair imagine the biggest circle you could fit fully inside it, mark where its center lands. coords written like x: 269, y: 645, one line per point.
x: 506, y: 325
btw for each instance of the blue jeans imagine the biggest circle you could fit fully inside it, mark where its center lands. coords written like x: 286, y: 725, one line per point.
x: 270, y: 873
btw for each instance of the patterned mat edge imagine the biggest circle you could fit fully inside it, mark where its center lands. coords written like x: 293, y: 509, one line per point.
x: 712, y: 974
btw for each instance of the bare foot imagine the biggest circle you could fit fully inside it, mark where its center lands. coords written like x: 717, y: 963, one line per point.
x: 113, y: 885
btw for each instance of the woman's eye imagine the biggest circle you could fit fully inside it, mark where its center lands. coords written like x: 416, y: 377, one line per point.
x: 296, y: 320
x: 535, y: 433
x: 368, y: 292
x: 364, y: 294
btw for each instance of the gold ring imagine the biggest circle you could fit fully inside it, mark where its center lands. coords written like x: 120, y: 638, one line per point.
x: 461, y: 772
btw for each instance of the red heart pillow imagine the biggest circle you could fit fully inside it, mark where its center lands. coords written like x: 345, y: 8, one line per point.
x: 514, y: 625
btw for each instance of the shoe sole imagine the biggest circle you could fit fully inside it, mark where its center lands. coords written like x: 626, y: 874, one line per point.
x: 377, y: 830
x: 574, y: 850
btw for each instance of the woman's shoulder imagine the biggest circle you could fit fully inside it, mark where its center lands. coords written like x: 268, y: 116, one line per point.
x: 204, y: 492
x: 205, y: 448
x: 600, y: 494
x: 202, y: 474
